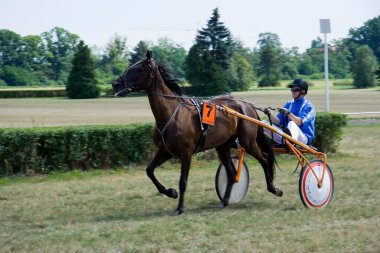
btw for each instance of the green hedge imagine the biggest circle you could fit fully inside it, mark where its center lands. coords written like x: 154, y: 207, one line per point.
x: 32, y: 93
x: 44, y: 150
x: 328, y: 131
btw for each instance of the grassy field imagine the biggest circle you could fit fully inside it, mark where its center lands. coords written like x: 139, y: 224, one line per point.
x: 39, y: 112
x: 121, y: 211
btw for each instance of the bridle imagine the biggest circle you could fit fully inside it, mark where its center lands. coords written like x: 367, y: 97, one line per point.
x: 123, y: 78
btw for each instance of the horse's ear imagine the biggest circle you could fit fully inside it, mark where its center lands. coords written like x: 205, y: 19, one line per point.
x: 148, y: 55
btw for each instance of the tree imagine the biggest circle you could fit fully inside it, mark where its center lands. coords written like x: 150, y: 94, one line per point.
x: 115, y: 60
x: 32, y: 53
x: 59, y: 47
x: 82, y: 82
x: 206, y: 77
x: 216, y: 39
x: 240, y: 73
x: 166, y: 52
x: 21, y: 59
x: 306, y: 65
x: 10, y: 44
x: 139, y: 51
x: 289, y: 69
x: 255, y: 61
x: 215, y: 79
x: 339, y: 57
x: 315, y: 52
x: 368, y: 34
x: 208, y: 58
x: 194, y: 64
x: 170, y: 54
x: 16, y: 76
x: 270, y: 59
x: 364, y: 67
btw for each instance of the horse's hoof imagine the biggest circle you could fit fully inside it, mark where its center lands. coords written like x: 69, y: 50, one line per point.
x: 223, y: 204
x: 177, y: 212
x: 172, y: 193
x: 278, y: 192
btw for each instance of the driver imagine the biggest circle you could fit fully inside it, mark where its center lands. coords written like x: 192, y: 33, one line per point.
x: 297, y: 117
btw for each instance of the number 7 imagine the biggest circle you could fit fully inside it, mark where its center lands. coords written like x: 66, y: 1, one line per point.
x: 209, y: 107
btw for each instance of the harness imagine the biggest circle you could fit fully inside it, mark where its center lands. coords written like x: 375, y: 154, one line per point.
x: 161, y: 132
x: 204, y: 127
x: 197, y: 102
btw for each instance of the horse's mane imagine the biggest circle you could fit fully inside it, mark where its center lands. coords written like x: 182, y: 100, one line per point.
x: 169, y: 80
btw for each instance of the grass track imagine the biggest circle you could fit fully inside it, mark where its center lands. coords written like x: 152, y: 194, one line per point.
x: 121, y: 211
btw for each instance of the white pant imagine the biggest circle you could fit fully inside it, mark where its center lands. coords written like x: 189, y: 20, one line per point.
x: 294, y: 130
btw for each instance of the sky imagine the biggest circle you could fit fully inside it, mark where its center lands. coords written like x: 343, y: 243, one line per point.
x: 296, y: 22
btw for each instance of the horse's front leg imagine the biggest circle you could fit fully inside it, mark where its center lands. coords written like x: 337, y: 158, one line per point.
x: 185, y: 168
x: 161, y: 156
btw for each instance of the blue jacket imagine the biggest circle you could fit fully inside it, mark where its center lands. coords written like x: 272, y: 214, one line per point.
x: 303, y: 109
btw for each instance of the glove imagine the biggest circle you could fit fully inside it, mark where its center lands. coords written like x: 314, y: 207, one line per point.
x: 267, y: 111
x: 284, y: 111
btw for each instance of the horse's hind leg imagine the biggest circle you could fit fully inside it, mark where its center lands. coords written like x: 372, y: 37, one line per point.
x: 269, y: 175
x: 268, y: 161
x: 225, y: 157
x: 265, y: 158
x: 161, y: 156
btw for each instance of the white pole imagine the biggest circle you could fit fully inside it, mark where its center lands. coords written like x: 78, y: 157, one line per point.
x: 326, y: 74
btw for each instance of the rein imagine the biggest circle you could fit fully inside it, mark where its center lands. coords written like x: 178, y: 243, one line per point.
x: 255, y: 106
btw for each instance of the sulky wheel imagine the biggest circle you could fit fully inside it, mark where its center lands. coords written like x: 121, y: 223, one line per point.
x: 312, y: 195
x: 239, y: 189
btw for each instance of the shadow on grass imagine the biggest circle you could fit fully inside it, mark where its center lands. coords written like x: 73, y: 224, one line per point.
x: 204, y: 209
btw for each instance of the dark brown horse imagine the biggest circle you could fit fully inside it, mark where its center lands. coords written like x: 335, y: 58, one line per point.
x: 178, y: 130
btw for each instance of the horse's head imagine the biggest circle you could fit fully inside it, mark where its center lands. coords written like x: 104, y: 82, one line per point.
x: 138, y: 77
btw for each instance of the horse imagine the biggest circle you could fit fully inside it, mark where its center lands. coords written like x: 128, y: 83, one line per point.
x: 178, y: 128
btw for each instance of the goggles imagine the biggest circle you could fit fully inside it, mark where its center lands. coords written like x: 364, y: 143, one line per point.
x: 295, y: 89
